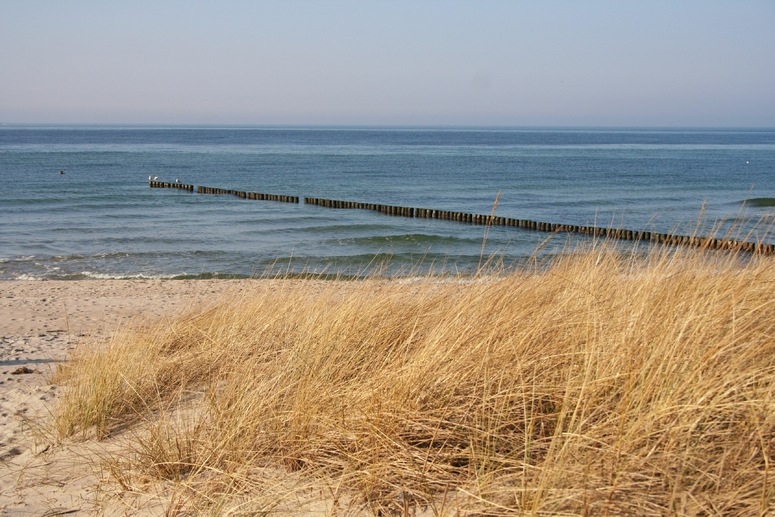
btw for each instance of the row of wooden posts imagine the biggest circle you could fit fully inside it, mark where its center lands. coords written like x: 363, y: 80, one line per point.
x: 249, y: 195
x: 166, y: 184
x: 597, y: 231
x: 492, y: 220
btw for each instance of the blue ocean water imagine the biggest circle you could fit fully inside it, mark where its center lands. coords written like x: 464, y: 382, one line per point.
x: 100, y: 219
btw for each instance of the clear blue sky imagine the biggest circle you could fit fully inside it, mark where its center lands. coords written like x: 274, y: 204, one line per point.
x: 389, y: 62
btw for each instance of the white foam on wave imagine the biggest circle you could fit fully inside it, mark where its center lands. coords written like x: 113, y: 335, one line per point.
x: 137, y: 276
x: 25, y: 276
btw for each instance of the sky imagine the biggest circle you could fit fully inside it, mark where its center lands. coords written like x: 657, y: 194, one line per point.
x: 655, y: 63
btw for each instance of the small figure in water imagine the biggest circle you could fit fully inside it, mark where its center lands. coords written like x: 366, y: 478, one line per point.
x: 61, y: 173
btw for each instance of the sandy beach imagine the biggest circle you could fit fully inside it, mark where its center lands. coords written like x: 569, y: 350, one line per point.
x: 40, y: 322
x: 603, y: 384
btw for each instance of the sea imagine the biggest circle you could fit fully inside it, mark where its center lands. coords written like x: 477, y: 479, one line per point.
x: 75, y: 201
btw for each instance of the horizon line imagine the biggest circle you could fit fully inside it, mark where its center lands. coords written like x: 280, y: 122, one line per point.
x: 163, y: 125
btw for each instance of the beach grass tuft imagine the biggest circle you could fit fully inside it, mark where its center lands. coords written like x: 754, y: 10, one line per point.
x: 603, y: 382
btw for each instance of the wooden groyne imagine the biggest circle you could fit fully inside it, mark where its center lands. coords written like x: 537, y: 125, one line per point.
x: 541, y: 226
x: 259, y: 196
x: 165, y: 184
x: 708, y: 243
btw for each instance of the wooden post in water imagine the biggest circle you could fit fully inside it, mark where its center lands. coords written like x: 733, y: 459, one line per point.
x: 491, y: 220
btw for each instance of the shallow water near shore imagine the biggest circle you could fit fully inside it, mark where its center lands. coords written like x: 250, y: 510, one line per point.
x: 76, y: 202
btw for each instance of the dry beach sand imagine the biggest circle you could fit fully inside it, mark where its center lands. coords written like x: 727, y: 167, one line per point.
x: 40, y: 322
x: 602, y: 384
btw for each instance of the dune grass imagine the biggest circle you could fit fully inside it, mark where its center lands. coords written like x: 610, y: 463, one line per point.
x: 600, y: 383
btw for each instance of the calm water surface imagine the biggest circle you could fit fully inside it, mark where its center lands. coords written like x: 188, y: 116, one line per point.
x: 100, y: 219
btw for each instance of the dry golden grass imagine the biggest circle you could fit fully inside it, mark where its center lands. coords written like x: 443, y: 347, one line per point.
x: 602, y: 383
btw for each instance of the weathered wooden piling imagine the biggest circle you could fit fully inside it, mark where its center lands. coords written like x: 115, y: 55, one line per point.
x: 707, y: 243
x: 167, y: 184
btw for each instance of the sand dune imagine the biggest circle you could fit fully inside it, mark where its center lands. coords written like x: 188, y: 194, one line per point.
x: 40, y: 322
